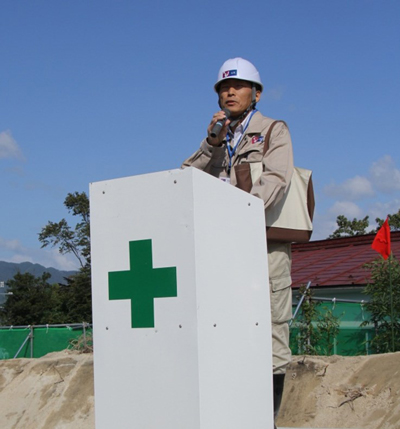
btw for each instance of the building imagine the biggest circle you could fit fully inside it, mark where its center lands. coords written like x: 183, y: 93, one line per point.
x: 335, y: 267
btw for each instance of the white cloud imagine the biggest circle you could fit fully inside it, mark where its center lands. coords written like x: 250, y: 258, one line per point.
x: 325, y: 223
x: 382, y: 209
x: 355, y: 188
x: 9, y: 147
x: 53, y: 258
x: 346, y: 208
x: 384, y: 175
x: 15, y: 251
x: 382, y: 179
x: 10, y: 245
x: 323, y: 226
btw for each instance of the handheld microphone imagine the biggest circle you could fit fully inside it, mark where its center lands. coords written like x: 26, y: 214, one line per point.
x: 219, y: 124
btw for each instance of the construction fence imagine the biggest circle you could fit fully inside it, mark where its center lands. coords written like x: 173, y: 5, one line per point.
x: 351, y: 339
x: 37, y: 341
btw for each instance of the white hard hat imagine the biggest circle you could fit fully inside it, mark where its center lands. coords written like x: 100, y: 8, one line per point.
x: 238, y: 68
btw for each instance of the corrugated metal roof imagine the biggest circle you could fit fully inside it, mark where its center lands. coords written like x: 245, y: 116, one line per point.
x: 336, y: 262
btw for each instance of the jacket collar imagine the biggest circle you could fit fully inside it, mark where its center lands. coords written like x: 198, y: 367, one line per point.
x: 256, y: 124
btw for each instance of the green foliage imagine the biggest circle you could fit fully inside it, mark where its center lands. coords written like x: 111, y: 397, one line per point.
x: 328, y: 326
x: 349, y: 228
x: 77, y: 303
x: 76, y: 298
x: 394, y: 221
x: 317, y: 327
x: 384, y: 292
x: 32, y: 301
x: 308, y: 336
x: 77, y: 240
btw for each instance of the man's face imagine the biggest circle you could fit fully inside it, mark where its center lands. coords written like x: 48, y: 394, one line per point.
x: 235, y: 95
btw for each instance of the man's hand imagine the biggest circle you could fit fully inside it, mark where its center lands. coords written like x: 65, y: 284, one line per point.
x: 222, y: 135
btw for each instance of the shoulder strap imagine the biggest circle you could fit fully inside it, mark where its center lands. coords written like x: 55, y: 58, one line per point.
x: 268, y: 135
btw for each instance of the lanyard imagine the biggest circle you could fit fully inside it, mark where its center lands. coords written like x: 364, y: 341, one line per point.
x: 231, y: 151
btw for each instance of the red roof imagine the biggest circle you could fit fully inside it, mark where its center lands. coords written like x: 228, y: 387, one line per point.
x: 336, y: 262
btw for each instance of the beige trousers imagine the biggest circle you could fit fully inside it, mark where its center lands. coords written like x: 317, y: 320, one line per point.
x: 279, y: 264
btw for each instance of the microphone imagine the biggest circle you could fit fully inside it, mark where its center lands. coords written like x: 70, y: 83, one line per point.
x: 219, y: 124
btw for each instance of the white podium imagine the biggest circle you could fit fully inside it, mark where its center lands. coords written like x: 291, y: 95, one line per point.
x: 181, y: 313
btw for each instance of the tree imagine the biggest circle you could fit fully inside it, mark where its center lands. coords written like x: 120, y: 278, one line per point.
x: 77, y: 240
x: 394, y: 222
x: 76, y: 296
x: 308, y: 336
x: 382, y: 274
x: 32, y: 301
x: 349, y: 228
x: 317, y: 328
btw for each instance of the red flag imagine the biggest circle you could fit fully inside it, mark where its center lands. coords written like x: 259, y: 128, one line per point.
x: 381, y: 241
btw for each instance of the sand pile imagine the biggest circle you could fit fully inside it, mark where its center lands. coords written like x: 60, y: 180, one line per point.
x: 56, y: 391
x: 343, y: 392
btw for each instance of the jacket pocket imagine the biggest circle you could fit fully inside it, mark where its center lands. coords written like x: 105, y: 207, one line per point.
x: 281, y: 302
x: 247, y: 174
x: 243, y: 177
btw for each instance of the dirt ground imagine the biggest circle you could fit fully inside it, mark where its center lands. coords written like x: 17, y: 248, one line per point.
x: 56, y: 391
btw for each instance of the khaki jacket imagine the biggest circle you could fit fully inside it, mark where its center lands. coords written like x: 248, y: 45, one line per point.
x: 271, y: 175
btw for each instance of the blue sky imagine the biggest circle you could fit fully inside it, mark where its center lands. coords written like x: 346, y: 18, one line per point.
x: 95, y: 90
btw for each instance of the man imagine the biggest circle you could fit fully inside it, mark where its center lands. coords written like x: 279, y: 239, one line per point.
x: 241, y: 141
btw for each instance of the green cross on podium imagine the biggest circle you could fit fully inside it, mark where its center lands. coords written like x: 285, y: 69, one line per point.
x: 142, y: 283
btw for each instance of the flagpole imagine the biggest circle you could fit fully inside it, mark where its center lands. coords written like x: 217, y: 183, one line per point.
x: 381, y: 244
x: 391, y: 299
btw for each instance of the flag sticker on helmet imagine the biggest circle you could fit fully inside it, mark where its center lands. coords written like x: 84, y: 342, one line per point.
x: 229, y: 73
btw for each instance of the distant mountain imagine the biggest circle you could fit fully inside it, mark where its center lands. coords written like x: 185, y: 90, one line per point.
x: 9, y: 269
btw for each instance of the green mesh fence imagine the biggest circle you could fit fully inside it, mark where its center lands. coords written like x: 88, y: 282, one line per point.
x: 352, y: 340
x: 34, y: 342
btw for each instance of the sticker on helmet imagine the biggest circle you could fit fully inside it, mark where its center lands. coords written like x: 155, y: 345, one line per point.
x: 229, y: 73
